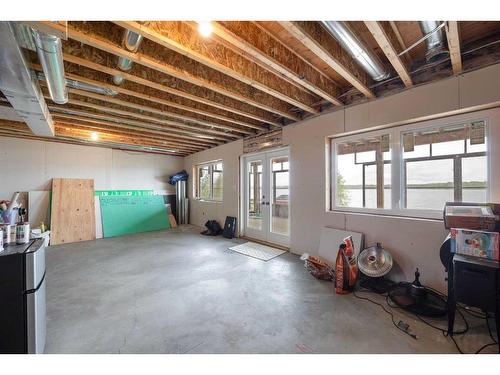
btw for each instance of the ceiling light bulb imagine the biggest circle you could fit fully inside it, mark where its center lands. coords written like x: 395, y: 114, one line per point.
x: 205, y: 28
x: 94, y: 136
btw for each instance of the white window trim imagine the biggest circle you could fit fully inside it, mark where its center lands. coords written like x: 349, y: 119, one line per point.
x: 196, y: 181
x: 397, y: 183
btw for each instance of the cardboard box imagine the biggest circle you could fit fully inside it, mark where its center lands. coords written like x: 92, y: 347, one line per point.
x: 469, y: 217
x: 475, y: 243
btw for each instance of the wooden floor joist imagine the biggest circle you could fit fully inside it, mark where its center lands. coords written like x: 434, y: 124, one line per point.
x: 453, y: 37
x: 216, y: 82
x: 259, y: 45
x: 383, y: 40
x: 183, y: 39
x: 175, y: 126
x: 202, y: 141
x: 143, y: 108
x: 245, y: 111
x: 76, y: 120
x: 126, y: 117
x: 314, y: 37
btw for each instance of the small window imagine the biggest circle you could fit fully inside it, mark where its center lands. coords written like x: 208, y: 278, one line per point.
x: 411, y: 170
x: 209, y: 181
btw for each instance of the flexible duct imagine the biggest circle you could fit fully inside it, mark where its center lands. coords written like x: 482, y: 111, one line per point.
x: 436, y: 45
x: 366, y: 58
x: 48, y: 48
x: 131, y: 41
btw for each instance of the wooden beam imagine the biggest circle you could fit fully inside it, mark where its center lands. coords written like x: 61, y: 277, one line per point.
x: 183, y: 39
x: 84, y: 134
x: 170, y: 90
x: 249, y: 38
x: 139, y: 138
x: 383, y: 41
x: 20, y: 130
x: 453, y: 36
x: 109, y: 99
x: 167, y: 125
x: 125, y: 129
x: 137, y: 124
x: 206, y: 79
x: 314, y: 37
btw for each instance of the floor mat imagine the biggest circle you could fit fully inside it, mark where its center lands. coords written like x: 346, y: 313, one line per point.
x: 256, y: 250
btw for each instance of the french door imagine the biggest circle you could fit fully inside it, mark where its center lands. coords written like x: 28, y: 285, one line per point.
x: 265, y: 192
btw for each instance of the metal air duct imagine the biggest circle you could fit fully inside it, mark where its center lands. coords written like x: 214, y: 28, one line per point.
x: 366, y: 58
x: 131, y: 41
x: 71, y: 83
x: 48, y: 48
x: 436, y: 45
x: 19, y: 86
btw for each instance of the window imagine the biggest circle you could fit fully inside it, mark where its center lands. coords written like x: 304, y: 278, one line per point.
x: 209, y: 181
x: 411, y: 170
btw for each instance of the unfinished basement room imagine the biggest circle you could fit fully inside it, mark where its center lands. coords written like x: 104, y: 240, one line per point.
x: 247, y: 185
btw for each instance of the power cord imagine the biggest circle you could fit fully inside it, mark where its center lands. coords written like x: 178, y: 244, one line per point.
x: 405, y: 327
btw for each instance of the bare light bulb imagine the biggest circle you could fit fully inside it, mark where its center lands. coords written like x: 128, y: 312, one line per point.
x: 205, y: 28
x: 94, y: 136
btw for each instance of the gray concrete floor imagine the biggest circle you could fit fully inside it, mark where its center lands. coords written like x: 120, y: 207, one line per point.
x: 179, y: 292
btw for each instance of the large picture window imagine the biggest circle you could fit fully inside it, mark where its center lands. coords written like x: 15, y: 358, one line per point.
x: 411, y: 170
x: 209, y: 181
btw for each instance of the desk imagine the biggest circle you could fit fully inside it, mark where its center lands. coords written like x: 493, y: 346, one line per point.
x: 476, y: 283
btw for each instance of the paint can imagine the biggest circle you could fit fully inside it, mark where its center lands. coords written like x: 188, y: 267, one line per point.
x: 7, y: 233
x: 22, y: 233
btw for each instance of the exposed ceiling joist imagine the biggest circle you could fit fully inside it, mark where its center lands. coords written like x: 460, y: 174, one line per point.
x: 243, y: 92
x: 183, y: 39
x: 314, y: 37
x: 75, y: 119
x: 164, y: 126
x: 453, y: 36
x: 138, y: 124
x: 259, y: 45
x: 144, y: 108
x: 253, y: 113
x: 380, y: 35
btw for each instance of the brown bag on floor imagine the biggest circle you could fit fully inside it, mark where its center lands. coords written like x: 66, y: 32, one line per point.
x: 346, y: 269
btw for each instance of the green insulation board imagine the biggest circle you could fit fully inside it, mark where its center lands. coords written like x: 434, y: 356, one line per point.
x: 127, y: 214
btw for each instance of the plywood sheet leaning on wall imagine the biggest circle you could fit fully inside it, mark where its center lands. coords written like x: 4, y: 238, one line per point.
x: 72, y: 214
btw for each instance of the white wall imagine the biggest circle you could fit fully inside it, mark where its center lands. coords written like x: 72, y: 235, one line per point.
x: 201, y: 211
x: 27, y: 165
x: 413, y: 242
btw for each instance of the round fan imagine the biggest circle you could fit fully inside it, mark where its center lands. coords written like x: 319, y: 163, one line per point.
x: 375, y: 261
x: 418, y: 299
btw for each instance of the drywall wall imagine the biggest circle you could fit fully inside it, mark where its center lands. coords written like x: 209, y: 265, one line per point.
x: 414, y: 242
x: 201, y: 211
x: 29, y: 165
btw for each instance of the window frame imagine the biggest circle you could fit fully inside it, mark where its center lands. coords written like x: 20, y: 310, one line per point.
x: 398, y: 165
x: 211, y: 165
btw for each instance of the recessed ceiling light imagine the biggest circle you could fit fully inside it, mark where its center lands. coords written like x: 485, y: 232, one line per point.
x: 205, y: 28
x: 94, y: 136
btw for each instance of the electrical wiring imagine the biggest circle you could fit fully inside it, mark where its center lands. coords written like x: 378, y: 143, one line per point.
x: 444, y: 331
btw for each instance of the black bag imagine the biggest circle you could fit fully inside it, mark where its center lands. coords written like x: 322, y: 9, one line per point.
x: 213, y: 228
x: 229, y: 227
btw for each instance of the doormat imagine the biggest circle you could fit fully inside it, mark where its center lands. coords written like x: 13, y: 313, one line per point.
x: 258, y: 251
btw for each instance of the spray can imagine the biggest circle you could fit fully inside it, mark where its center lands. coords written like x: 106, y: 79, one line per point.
x: 22, y: 233
x: 1, y: 240
x: 7, y: 233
